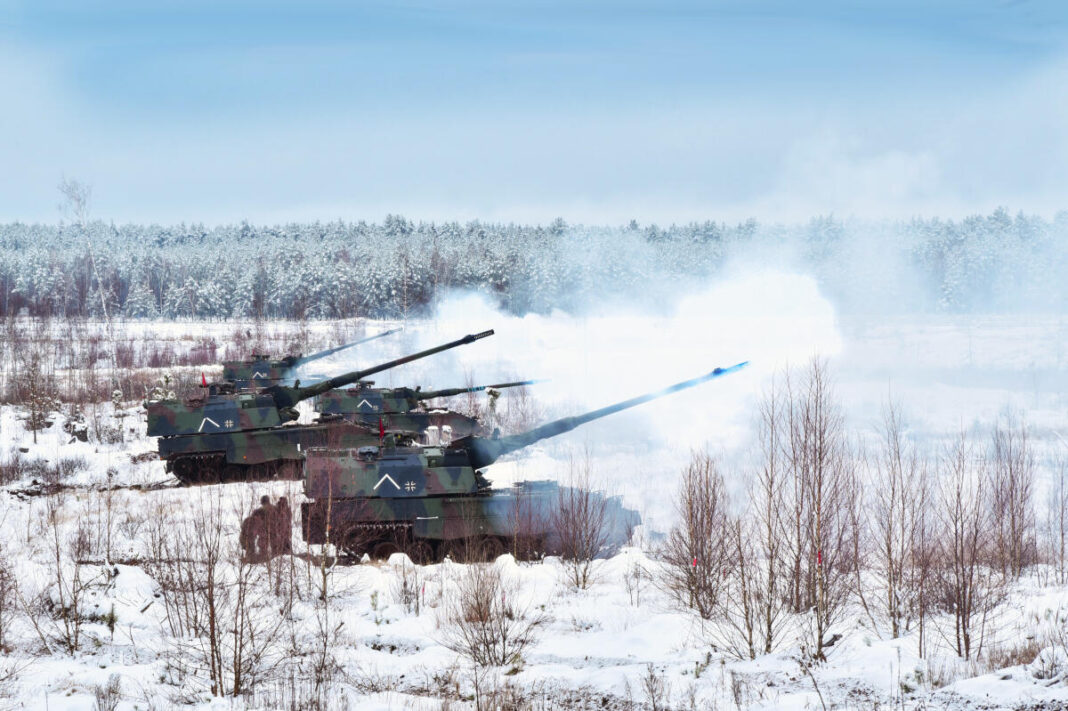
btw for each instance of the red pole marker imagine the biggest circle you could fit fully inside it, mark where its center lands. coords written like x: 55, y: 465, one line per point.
x: 381, y: 429
x: 819, y: 557
x: 695, y: 562
x: 203, y: 381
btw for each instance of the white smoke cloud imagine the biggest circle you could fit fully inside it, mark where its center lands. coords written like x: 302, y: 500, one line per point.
x: 608, y: 354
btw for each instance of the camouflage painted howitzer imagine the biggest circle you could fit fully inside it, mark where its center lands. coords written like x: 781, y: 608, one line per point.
x: 227, y: 436
x: 261, y: 371
x: 430, y: 502
x: 402, y: 409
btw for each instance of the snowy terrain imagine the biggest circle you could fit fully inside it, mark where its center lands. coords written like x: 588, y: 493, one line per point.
x: 622, y: 643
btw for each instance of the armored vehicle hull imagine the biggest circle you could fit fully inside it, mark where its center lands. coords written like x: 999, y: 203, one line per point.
x: 433, y: 501
x: 258, y: 455
x: 466, y: 528
x: 225, y: 436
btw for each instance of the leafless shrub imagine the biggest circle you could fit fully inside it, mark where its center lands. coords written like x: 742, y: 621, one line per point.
x: 528, y: 526
x: 8, y: 599
x: 407, y: 588
x: 656, y: 688
x: 581, y: 524
x: 696, y: 551
x: 484, y: 622
x: 1023, y: 650
x: 14, y: 467
x: 220, y: 612
x: 296, y: 692
x: 635, y: 579
x: 70, y: 578
x: 106, y: 697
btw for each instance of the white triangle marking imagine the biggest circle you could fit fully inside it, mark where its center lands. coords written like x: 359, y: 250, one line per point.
x: 387, y: 476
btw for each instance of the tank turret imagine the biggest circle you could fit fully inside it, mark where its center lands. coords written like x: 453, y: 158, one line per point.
x: 266, y: 408
x: 261, y: 370
x: 367, y: 403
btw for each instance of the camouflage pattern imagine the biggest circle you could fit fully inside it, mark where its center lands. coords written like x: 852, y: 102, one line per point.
x: 422, y: 500
x: 401, y: 409
x: 275, y: 453
x: 230, y: 428
x: 261, y: 371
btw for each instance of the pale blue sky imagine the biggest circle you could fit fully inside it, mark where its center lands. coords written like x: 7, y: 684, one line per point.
x: 595, y: 111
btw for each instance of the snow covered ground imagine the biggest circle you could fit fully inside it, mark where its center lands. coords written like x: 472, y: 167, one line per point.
x: 622, y: 643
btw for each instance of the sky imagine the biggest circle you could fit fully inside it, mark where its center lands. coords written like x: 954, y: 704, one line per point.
x: 594, y: 111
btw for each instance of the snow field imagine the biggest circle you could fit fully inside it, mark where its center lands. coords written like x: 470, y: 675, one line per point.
x: 595, y: 644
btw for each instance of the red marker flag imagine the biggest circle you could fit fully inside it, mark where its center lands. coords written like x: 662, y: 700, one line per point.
x: 381, y: 429
x: 203, y: 381
x: 695, y: 562
x: 819, y: 557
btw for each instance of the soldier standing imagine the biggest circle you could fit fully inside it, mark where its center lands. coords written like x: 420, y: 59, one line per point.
x: 267, y: 516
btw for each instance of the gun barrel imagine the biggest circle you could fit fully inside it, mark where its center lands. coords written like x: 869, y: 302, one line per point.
x: 484, y: 452
x: 449, y: 392
x: 331, y: 351
x: 287, y: 396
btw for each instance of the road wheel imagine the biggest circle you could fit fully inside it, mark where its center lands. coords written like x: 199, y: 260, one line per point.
x: 384, y: 549
x: 421, y: 551
x: 490, y: 548
x: 456, y: 550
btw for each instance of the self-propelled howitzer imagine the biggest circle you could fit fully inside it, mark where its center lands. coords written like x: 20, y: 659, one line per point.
x: 400, y: 409
x: 433, y: 501
x: 261, y: 370
x: 239, y: 435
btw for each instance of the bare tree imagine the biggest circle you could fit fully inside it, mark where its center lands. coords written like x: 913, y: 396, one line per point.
x: 697, y: 547
x: 770, y: 529
x: 37, y: 389
x: 739, y: 605
x: 970, y: 589
x: 824, y: 480
x: 1057, y: 521
x: 581, y: 524
x: 896, y: 514
x: 1013, y: 477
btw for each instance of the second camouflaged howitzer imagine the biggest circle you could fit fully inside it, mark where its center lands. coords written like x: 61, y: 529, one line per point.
x: 399, y: 409
x: 433, y: 501
x: 225, y: 436
x: 261, y: 371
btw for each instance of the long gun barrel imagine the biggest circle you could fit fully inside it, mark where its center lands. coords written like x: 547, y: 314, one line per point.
x: 431, y: 394
x: 484, y: 452
x: 331, y: 351
x: 285, y: 396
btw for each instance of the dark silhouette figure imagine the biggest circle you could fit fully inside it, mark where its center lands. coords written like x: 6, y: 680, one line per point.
x: 257, y: 532
x: 267, y: 515
x: 282, y: 534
